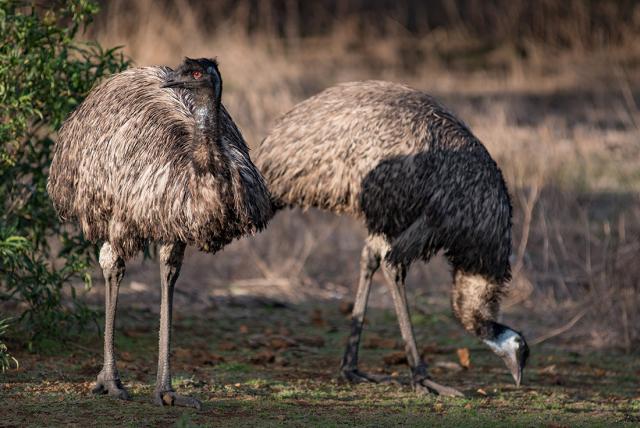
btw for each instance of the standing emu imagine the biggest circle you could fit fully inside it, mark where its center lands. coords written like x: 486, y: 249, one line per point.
x: 153, y: 155
x: 422, y: 182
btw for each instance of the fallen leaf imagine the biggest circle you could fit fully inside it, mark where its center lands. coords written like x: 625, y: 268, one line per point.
x: 557, y: 380
x: 317, y: 319
x: 167, y: 399
x: 227, y: 346
x: 549, y: 369
x: 264, y: 357
x: 464, y: 357
x: 212, y: 359
x: 135, y: 333
x: 482, y: 392
x: 183, y: 353
x: 284, y: 331
x: 278, y: 343
x: 376, y: 342
x: 313, y: 341
x: 346, y: 307
x: 257, y: 340
x: 395, y: 358
x: 281, y: 361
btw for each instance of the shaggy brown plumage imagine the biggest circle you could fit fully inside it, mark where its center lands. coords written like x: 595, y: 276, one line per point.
x: 123, y: 167
x: 152, y: 155
x: 419, y: 179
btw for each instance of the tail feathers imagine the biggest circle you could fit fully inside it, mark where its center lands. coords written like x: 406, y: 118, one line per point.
x: 417, y: 241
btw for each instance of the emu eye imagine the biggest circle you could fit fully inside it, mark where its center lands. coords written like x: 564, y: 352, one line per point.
x: 196, y: 74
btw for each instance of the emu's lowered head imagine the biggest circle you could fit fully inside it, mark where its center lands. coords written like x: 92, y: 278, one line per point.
x: 509, y: 345
x: 476, y: 302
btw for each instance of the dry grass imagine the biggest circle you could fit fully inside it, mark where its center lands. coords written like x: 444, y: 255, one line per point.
x: 562, y: 121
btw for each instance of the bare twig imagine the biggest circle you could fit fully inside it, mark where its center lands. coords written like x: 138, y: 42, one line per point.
x: 528, y: 204
x: 627, y: 93
x: 560, y: 330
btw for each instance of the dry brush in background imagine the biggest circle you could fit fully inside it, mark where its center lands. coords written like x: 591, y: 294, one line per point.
x: 552, y: 91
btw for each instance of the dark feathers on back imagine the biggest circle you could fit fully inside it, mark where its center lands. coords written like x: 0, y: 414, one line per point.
x: 395, y: 157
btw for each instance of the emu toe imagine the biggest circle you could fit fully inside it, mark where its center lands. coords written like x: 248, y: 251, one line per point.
x: 356, y: 376
x: 170, y: 398
x: 427, y: 386
x: 112, y: 387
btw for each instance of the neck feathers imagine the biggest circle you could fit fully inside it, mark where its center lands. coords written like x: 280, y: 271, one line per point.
x: 206, y: 147
x: 476, y: 302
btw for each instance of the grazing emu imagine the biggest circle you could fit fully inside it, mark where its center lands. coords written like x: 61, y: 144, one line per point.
x: 153, y: 155
x: 422, y: 182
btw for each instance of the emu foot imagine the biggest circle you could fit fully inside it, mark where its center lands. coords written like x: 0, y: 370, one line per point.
x: 356, y: 376
x: 112, y: 386
x: 170, y: 398
x: 427, y: 386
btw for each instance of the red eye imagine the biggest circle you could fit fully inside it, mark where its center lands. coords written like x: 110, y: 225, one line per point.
x: 196, y: 74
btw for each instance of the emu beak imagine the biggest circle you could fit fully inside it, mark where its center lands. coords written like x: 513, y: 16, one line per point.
x: 171, y: 84
x: 517, y: 376
x: 514, y: 366
x: 511, y: 347
x: 171, y: 81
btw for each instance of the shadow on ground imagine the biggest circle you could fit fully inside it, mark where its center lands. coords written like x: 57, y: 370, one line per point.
x: 264, y: 363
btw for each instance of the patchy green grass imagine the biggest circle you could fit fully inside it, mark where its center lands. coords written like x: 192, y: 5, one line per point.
x: 266, y: 366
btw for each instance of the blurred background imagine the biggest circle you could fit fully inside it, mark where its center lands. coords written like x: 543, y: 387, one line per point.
x: 552, y: 88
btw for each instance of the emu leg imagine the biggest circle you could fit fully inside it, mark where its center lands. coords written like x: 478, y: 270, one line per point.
x: 113, y: 268
x: 395, y: 276
x: 171, y: 256
x: 369, y: 263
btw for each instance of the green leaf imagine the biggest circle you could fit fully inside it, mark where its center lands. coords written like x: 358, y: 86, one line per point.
x: 44, y: 74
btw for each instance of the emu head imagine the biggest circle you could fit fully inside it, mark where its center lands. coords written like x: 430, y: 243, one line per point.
x: 511, y: 347
x: 202, y: 79
x: 476, y: 302
x: 198, y: 75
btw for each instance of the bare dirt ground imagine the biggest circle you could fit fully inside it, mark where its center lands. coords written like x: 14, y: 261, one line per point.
x: 266, y: 363
x: 263, y: 348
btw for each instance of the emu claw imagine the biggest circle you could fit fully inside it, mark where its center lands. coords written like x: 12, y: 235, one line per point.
x: 170, y: 398
x: 112, y: 387
x: 356, y: 376
x: 427, y: 386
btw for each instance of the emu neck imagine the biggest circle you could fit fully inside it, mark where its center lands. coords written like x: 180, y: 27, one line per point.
x: 206, y: 141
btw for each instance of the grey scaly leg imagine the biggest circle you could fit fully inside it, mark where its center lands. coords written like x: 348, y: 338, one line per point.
x: 369, y: 263
x: 395, y: 275
x: 171, y: 256
x: 113, y: 269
